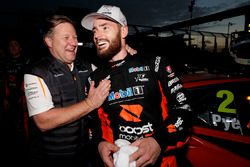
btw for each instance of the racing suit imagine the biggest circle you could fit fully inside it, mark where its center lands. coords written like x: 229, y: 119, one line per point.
x: 146, y: 99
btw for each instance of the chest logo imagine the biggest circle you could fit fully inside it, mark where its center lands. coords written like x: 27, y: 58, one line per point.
x: 141, y: 78
x: 131, y: 112
x: 128, y: 92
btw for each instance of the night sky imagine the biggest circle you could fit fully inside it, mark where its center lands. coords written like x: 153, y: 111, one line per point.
x: 153, y: 13
x: 146, y: 12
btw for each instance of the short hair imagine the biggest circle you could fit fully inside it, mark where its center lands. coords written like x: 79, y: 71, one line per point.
x: 54, y: 20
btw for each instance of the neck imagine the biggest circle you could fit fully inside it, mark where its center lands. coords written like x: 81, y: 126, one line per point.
x: 120, y: 55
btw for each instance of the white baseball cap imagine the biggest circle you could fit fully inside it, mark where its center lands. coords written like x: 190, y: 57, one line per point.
x: 106, y: 11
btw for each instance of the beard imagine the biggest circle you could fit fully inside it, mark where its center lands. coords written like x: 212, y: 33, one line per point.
x: 112, y: 50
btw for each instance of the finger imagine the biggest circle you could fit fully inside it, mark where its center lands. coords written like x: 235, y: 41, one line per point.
x: 105, y: 86
x: 109, y: 161
x: 136, y: 143
x: 133, y: 157
x: 104, y: 83
x: 92, y: 85
x: 142, y: 162
x: 105, y: 94
x: 103, y: 91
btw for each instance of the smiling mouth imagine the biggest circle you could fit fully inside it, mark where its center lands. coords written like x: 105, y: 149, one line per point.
x: 102, y: 44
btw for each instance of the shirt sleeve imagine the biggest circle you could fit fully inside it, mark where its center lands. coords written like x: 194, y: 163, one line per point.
x: 175, y: 130
x: 37, y: 95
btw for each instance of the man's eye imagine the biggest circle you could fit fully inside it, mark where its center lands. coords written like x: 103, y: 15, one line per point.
x: 105, y: 27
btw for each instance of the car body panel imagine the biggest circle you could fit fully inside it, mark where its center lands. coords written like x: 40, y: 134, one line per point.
x: 206, y: 154
x: 221, y: 132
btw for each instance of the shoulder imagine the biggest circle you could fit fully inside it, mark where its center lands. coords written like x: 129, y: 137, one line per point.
x: 151, y: 59
x: 83, y: 64
x: 40, y: 66
x: 100, y: 73
x: 98, y: 70
x: 45, y: 61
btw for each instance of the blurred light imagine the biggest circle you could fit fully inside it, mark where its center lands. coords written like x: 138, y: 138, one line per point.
x: 86, y: 44
x: 80, y: 43
x: 248, y: 98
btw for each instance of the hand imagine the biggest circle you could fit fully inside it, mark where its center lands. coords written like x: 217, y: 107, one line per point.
x: 96, y: 96
x: 106, y: 151
x: 130, y: 50
x: 147, y: 153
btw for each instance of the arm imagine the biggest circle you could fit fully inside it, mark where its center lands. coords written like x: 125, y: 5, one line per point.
x: 102, y: 137
x: 175, y: 130
x: 47, y: 117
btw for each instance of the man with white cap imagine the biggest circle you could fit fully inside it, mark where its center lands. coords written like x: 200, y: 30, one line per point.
x: 146, y: 104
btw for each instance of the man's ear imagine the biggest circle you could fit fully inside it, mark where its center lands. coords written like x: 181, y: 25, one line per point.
x: 48, y: 41
x: 124, y: 31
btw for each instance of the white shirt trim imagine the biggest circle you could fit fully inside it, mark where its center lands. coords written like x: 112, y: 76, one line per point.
x: 37, y: 94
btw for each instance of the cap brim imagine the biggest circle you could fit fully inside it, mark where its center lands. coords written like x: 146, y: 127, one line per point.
x: 88, y: 20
